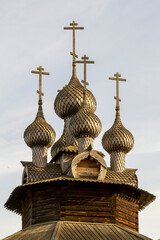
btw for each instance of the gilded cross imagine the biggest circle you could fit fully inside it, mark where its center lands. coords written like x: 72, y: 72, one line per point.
x: 117, y: 79
x: 85, y: 61
x: 73, y: 27
x: 40, y: 72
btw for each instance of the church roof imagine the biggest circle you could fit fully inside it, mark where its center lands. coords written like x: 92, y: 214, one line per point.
x: 35, y: 173
x: 52, y: 171
x: 64, y: 230
x: 145, y: 198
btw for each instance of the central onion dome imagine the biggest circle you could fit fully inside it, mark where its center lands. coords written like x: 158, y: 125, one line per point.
x: 70, y: 98
x: 85, y: 126
x: 85, y: 123
x: 118, y: 138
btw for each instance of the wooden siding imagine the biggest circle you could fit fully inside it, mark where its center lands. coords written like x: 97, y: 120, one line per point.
x: 80, y: 203
x: 127, y: 212
x: 88, y: 168
x: 45, y: 205
x: 27, y: 210
x: 87, y: 205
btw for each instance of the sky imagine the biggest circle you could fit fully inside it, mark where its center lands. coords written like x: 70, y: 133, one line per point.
x: 120, y: 36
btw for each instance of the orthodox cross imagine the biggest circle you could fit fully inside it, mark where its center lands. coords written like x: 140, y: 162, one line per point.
x: 40, y: 72
x: 85, y: 61
x: 117, y: 78
x: 73, y: 27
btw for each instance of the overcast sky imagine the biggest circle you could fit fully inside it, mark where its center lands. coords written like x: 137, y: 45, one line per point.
x: 119, y: 35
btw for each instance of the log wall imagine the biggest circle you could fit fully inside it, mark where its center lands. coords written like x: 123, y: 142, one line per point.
x: 27, y: 210
x: 127, y: 212
x: 76, y: 201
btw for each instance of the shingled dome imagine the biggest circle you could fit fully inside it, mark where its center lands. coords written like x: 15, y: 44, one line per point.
x: 39, y: 133
x: 70, y: 98
x: 117, y: 138
x: 85, y: 124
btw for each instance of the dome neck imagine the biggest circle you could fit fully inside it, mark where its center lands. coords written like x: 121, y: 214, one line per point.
x: 39, y: 156
x: 69, y: 139
x: 84, y: 143
x: 40, y: 110
x: 117, y: 161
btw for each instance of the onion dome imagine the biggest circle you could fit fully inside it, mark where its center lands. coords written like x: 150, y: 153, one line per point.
x: 118, y: 138
x: 117, y: 141
x: 39, y: 133
x: 85, y: 123
x: 70, y: 98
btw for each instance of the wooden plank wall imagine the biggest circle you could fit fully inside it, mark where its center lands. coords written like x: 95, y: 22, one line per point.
x: 127, y: 212
x: 45, y: 205
x: 88, y: 169
x: 79, y: 202
x: 27, y: 210
x: 87, y: 204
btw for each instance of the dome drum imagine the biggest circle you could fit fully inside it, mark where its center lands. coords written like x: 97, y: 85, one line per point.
x: 70, y: 140
x: 39, y: 156
x: 117, y: 161
x: 84, y: 143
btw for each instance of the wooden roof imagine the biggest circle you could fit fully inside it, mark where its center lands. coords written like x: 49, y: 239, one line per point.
x: 64, y: 230
x: 14, y: 204
x: 35, y: 173
x: 51, y: 171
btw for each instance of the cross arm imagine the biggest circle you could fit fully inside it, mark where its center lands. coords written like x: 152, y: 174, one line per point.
x: 120, y: 79
x: 83, y: 61
x: 79, y: 61
x: 85, y: 82
x: 118, y: 99
x: 73, y: 54
x: 71, y: 28
x: 45, y: 73
x: 89, y: 61
x: 39, y: 92
x: 37, y: 72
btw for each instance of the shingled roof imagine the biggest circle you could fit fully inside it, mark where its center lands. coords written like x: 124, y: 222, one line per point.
x: 64, y: 230
x: 35, y: 174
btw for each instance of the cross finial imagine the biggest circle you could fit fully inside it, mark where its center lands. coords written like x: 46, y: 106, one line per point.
x: 40, y: 72
x: 73, y: 27
x: 85, y: 61
x: 117, y: 78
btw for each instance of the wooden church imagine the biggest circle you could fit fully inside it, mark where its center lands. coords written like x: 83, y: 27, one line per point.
x: 76, y: 196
